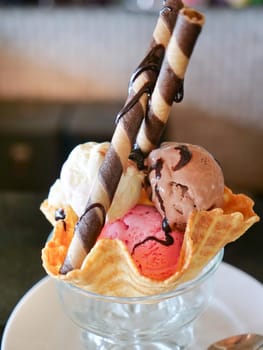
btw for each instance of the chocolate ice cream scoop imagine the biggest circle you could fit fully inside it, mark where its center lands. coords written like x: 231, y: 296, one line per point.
x: 183, y: 178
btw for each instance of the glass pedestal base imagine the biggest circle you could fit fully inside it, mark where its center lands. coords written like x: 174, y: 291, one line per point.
x: 178, y: 340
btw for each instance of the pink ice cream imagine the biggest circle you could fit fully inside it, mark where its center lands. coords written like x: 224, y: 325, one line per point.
x: 183, y: 178
x: 155, y: 252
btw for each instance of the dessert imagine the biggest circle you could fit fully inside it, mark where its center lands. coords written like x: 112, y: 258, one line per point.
x: 201, y: 215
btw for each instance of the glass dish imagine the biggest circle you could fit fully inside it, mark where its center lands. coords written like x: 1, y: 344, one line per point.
x: 163, y: 321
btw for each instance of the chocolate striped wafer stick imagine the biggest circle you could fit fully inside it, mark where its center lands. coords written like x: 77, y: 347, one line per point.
x: 148, y: 69
x: 104, y: 187
x: 169, y: 85
x: 128, y: 123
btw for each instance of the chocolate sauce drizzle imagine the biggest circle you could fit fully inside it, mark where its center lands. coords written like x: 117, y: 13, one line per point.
x: 165, y: 226
x: 179, y: 95
x: 151, y: 63
x: 158, y: 168
x: 185, y: 157
x: 133, y: 101
x: 158, y: 173
x: 138, y: 157
x: 166, y: 242
x: 60, y: 214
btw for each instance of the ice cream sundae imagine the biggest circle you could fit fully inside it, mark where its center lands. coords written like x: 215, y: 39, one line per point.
x: 132, y: 217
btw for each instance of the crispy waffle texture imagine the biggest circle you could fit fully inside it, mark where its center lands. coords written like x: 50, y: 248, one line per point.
x: 109, y: 269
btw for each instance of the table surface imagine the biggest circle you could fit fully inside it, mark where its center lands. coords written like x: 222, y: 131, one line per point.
x: 23, y: 232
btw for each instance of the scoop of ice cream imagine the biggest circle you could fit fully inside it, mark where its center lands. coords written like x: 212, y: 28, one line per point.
x: 77, y: 176
x: 183, y: 178
x: 155, y: 253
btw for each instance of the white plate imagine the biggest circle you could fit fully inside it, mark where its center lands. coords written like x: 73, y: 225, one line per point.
x: 39, y: 323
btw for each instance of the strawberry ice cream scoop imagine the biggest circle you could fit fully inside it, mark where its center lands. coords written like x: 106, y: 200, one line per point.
x: 183, y: 178
x: 155, y: 252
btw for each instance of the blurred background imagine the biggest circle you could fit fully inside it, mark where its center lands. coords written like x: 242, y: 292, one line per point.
x: 64, y: 72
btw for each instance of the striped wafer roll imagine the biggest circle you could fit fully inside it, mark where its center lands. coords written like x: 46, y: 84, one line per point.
x: 104, y: 187
x: 149, y: 68
x: 169, y: 85
x: 128, y: 123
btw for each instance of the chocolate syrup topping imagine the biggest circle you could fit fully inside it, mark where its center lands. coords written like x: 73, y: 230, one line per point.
x: 60, y: 214
x: 132, y: 102
x: 185, y: 157
x: 138, y: 157
x: 160, y: 199
x: 179, y: 94
x: 158, y: 168
x: 170, y: 85
x: 165, y: 226
x: 151, y: 63
x: 166, y: 242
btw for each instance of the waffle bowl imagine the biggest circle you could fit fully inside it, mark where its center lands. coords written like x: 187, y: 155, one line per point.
x: 109, y: 269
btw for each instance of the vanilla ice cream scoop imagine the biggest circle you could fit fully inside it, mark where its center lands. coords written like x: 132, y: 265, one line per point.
x: 77, y: 176
x: 183, y: 178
